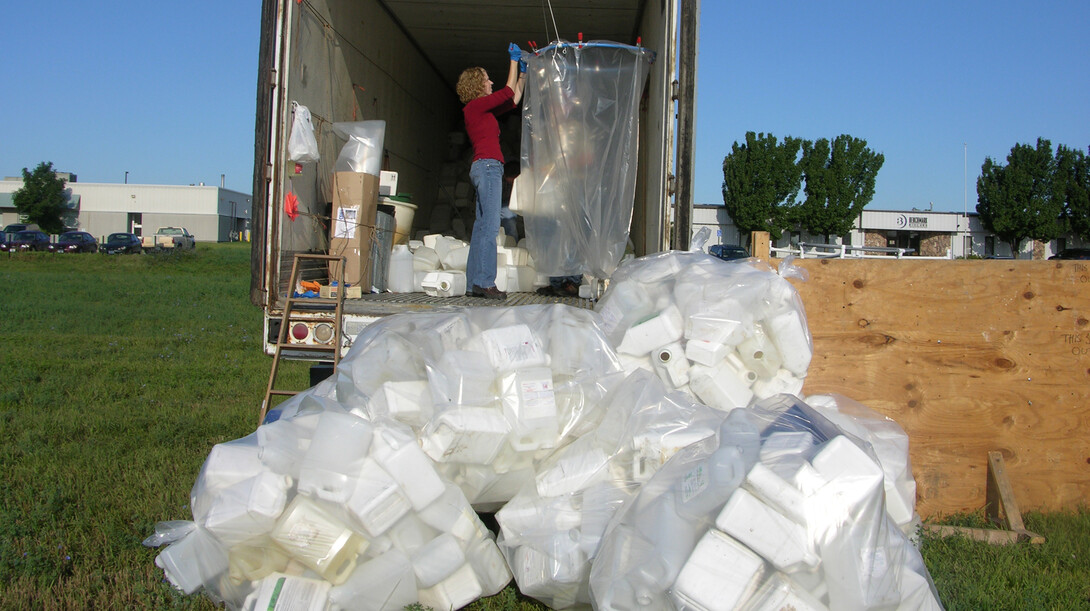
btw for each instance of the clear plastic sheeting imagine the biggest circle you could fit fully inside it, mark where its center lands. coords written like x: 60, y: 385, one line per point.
x: 726, y: 332
x: 579, y: 150
x: 342, y: 512
x: 551, y: 530
x: 782, y: 509
x: 362, y: 151
x: 489, y: 391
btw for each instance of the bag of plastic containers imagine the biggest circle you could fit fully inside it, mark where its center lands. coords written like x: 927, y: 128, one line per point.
x: 329, y: 511
x: 782, y: 510
x: 551, y: 530
x: 490, y: 392
x: 725, y: 332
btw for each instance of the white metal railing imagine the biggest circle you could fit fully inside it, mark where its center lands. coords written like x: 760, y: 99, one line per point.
x: 844, y: 251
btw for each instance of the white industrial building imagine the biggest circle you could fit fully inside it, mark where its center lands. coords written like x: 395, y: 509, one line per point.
x: 211, y: 214
x: 925, y: 232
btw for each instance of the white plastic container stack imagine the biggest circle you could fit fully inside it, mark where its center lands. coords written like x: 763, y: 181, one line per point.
x: 444, y: 254
x: 726, y: 332
x: 816, y: 538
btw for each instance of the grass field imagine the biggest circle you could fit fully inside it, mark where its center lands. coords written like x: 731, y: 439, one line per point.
x: 118, y: 374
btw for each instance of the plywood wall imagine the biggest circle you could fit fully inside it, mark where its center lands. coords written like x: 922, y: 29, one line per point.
x: 968, y: 356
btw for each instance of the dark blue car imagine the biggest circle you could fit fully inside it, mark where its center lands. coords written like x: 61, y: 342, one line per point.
x: 122, y: 243
x: 75, y: 241
x: 728, y: 252
x: 30, y: 239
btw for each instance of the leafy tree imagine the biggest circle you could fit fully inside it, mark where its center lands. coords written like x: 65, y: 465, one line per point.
x: 840, y: 179
x: 761, y: 179
x: 1025, y: 198
x: 1073, y: 169
x: 42, y: 198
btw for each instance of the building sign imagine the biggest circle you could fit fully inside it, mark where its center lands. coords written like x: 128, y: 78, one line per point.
x: 909, y: 221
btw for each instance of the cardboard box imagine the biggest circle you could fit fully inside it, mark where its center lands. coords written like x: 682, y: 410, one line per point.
x: 387, y: 183
x: 355, y: 204
x: 330, y: 292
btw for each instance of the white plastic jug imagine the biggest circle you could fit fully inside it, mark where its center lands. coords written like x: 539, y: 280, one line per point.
x: 445, y: 284
x: 312, y: 535
x: 400, y: 278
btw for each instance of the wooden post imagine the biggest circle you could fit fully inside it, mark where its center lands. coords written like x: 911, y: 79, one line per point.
x: 760, y: 245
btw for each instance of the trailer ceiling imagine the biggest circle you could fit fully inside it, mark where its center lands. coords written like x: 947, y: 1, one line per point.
x: 456, y: 34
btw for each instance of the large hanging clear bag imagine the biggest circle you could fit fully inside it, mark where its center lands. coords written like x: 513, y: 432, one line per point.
x: 579, y: 154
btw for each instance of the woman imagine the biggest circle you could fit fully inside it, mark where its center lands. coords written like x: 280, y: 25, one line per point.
x: 482, y: 106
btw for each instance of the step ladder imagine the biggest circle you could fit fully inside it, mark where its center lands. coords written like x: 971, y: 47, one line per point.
x: 313, y: 310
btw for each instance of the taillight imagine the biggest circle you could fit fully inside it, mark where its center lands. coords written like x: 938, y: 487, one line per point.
x: 299, y: 331
x: 323, y: 332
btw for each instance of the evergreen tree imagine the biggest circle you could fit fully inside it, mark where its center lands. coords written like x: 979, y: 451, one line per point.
x: 1025, y: 198
x: 840, y: 178
x: 1073, y: 169
x: 761, y: 179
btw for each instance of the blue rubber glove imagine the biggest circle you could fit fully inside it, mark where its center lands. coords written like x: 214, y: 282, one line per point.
x: 522, y: 66
x: 515, y: 52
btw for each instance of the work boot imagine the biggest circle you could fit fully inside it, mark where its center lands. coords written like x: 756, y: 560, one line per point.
x: 488, y: 293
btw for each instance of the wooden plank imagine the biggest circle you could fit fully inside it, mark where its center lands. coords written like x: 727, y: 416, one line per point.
x: 985, y: 535
x: 968, y: 357
x: 1002, y: 507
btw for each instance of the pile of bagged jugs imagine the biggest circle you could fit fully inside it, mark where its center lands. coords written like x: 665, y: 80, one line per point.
x: 654, y: 453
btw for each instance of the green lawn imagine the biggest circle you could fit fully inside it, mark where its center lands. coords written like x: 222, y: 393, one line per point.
x: 119, y: 373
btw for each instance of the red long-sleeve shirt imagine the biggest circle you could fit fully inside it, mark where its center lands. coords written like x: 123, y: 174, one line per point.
x: 481, y: 124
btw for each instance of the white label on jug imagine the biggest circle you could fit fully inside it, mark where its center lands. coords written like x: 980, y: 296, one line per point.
x: 289, y: 594
x: 694, y: 483
x: 538, y: 400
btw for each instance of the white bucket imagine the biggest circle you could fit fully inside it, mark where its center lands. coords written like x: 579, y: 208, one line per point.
x: 403, y: 218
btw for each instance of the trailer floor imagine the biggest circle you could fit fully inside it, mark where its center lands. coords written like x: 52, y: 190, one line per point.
x: 383, y: 304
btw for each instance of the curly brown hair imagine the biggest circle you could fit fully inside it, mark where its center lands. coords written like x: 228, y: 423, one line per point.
x: 471, y: 84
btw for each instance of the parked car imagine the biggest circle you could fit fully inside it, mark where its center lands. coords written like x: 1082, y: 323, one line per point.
x: 728, y: 252
x: 122, y: 243
x: 17, y: 227
x: 75, y: 241
x: 29, y: 239
x: 1072, y: 253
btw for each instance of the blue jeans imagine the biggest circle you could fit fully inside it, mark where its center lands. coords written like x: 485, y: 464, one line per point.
x: 487, y: 178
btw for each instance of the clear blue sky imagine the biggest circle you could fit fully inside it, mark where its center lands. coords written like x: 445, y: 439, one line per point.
x: 922, y: 82
x: 166, y: 92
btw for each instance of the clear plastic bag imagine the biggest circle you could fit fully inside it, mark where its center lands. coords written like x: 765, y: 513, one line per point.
x: 490, y: 392
x: 579, y: 145
x: 302, y: 145
x: 727, y: 332
x: 362, y: 151
x: 783, y: 509
x: 550, y: 531
x: 354, y: 504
